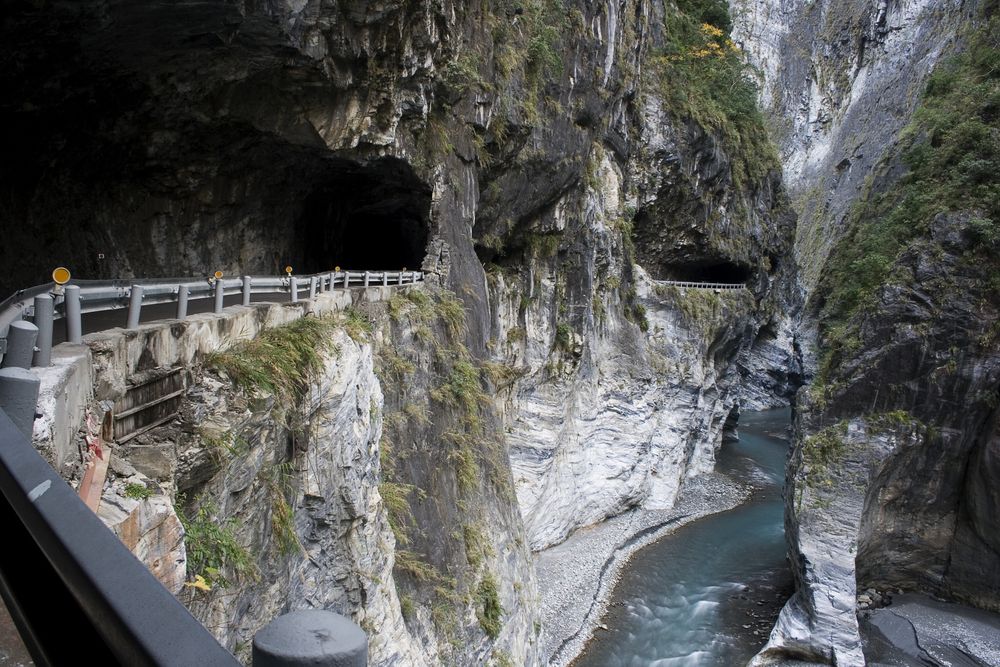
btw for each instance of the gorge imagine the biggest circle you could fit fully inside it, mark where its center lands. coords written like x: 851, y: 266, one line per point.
x: 636, y: 220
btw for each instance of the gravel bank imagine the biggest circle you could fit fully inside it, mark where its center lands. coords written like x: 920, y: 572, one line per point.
x: 576, y: 578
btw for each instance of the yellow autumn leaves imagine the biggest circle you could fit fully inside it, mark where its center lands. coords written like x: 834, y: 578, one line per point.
x: 714, y: 44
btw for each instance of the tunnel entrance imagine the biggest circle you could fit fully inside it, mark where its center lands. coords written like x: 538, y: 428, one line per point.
x: 721, y: 272
x: 366, y: 217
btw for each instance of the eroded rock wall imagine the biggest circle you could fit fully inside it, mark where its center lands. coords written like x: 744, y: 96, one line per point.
x: 839, y: 80
x: 885, y: 485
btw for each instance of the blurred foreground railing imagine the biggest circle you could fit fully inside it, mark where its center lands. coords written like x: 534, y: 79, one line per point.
x: 76, y: 594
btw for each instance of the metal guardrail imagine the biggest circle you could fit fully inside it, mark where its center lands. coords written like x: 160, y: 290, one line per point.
x: 76, y: 594
x: 80, y: 297
x: 698, y: 285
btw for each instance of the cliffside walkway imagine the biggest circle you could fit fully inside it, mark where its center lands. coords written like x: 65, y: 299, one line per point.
x: 688, y: 284
x: 97, y: 593
x: 151, y: 299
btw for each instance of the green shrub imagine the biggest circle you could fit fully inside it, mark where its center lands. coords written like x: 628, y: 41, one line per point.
x: 489, y: 611
x: 821, y: 452
x: 563, y: 340
x: 213, y: 550
x: 137, y: 491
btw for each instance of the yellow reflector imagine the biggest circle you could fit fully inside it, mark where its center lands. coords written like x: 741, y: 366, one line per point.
x: 288, y: 270
x: 218, y: 274
x: 60, y: 275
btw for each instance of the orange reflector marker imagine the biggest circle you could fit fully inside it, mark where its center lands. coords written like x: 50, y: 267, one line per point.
x: 218, y: 275
x: 60, y: 275
x: 288, y: 270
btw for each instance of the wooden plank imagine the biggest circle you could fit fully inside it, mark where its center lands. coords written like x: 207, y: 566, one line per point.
x: 92, y: 484
x: 157, y: 401
x: 148, y: 427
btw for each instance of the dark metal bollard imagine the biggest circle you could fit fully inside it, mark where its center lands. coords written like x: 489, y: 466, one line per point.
x: 44, y: 315
x: 74, y: 321
x: 134, y: 307
x: 310, y: 637
x: 18, y: 397
x: 21, y: 338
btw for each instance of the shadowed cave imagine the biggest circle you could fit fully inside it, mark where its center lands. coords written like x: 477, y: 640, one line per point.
x: 719, y: 272
x: 140, y: 143
x: 370, y: 217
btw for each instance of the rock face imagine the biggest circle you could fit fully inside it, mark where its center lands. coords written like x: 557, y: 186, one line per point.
x: 840, y: 79
x: 886, y: 485
x: 317, y: 531
x: 543, y: 165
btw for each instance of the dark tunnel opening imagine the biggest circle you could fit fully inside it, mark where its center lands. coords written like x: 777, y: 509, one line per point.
x: 366, y: 217
x: 721, y: 272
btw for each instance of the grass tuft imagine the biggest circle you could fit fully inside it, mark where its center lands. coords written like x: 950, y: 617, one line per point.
x: 279, y: 361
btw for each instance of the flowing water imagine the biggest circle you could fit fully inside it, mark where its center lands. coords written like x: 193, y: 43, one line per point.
x: 708, y: 593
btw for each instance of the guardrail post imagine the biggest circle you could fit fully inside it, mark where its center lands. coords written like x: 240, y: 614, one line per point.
x: 312, y: 288
x: 310, y: 637
x: 246, y: 290
x: 21, y: 338
x: 294, y: 285
x: 385, y: 278
x: 368, y: 278
x: 220, y: 293
x: 44, y: 315
x: 18, y: 397
x: 333, y: 282
x: 134, y: 307
x: 74, y: 321
x: 182, y: 301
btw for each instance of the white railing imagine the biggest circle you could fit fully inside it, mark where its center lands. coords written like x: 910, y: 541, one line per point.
x: 43, y: 304
x: 699, y: 285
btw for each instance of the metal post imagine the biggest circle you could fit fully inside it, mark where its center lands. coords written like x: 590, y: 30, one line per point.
x: 333, y: 280
x: 310, y: 637
x: 21, y: 338
x: 134, y: 307
x: 385, y: 278
x: 182, y: 301
x: 18, y: 397
x: 294, y: 284
x: 246, y: 290
x: 368, y: 278
x: 312, y: 288
x: 74, y: 321
x: 44, y: 315
x: 220, y: 292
